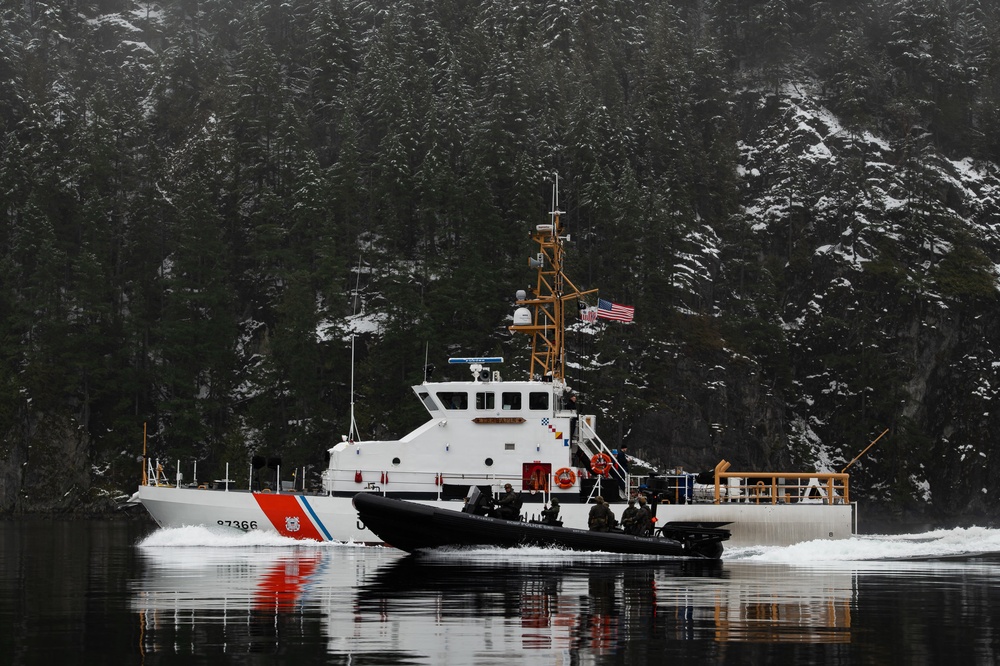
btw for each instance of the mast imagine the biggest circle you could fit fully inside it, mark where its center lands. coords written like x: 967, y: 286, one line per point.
x: 542, y: 315
x: 352, y: 433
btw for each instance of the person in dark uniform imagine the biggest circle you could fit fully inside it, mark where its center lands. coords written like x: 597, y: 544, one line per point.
x: 623, y: 467
x: 643, y: 523
x: 601, y: 518
x: 628, y: 516
x: 509, y: 505
x: 573, y: 406
x: 550, y: 515
x: 623, y: 461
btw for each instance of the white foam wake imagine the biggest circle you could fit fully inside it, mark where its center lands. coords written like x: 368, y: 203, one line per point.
x: 199, y: 536
x: 937, y: 544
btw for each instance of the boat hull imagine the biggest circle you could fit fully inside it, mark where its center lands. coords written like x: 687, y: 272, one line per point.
x: 410, y: 527
x: 326, y: 518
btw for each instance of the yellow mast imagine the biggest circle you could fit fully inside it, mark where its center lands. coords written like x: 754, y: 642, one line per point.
x: 547, y: 324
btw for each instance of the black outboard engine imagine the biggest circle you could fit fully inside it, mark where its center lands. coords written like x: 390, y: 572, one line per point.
x: 477, y: 502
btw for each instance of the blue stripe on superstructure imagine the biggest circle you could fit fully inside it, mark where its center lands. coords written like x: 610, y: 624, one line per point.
x: 316, y: 520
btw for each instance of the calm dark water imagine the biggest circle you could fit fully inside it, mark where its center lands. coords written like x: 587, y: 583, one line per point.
x: 86, y: 592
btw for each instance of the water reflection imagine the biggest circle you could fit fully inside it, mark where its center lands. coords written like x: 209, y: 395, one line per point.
x: 476, y: 608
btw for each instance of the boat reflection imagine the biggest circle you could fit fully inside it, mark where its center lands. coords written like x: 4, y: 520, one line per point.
x: 459, y: 607
x: 597, y: 603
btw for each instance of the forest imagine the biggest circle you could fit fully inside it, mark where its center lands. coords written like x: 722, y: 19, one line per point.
x: 219, y: 215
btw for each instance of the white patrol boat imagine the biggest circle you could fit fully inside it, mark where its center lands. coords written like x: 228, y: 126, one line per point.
x: 487, y: 431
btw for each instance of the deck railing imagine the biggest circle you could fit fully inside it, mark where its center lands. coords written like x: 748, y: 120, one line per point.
x: 780, y: 487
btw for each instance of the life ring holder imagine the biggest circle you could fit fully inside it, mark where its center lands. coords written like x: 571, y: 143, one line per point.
x: 565, y: 478
x: 601, y: 463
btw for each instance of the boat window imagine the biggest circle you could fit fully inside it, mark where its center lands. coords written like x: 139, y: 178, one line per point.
x: 511, y: 400
x: 454, y: 399
x: 538, y: 400
x: 486, y: 400
x: 429, y: 403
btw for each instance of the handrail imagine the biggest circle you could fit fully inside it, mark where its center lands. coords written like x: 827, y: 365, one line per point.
x: 831, y: 487
x: 157, y: 476
x: 601, y: 448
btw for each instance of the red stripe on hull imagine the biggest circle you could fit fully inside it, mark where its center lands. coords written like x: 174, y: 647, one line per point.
x: 287, y: 516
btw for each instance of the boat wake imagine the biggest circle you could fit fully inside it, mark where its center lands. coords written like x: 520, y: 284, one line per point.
x: 973, y: 543
x: 200, y: 536
x: 956, y: 544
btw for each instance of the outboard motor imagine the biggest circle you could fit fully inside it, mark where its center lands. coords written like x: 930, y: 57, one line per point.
x: 477, y: 502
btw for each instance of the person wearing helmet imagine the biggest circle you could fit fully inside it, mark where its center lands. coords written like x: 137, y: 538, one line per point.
x: 642, y: 525
x: 601, y: 518
x: 509, y: 504
x: 628, y: 516
x: 550, y: 514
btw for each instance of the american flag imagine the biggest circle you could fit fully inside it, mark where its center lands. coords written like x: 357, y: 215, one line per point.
x: 609, y: 310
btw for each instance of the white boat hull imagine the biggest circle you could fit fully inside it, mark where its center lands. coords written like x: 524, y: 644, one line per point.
x: 326, y: 518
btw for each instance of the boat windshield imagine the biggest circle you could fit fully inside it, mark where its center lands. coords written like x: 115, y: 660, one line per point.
x: 428, y: 401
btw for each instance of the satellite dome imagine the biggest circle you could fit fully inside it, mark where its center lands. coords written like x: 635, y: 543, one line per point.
x: 522, y: 317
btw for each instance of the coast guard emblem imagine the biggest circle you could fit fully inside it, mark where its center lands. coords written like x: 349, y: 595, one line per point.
x: 292, y: 523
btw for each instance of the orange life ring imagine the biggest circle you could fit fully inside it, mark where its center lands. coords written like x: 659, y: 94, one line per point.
x: 565, y: 478
x: 601, y: 463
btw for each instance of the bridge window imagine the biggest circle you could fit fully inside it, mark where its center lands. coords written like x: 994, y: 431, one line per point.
x: 429, y: 403
x: 486, y: 400
x: 511, y: 401
x: 454, y: 399
x: 538, y: 400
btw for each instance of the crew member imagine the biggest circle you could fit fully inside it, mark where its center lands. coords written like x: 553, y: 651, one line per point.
x: 550, y: 515
x: 509, y: 505
x: 628, y: 516
x: 573, y: 406
x: 623, y: 467
x: 601, y: 518
x: 643, y: 522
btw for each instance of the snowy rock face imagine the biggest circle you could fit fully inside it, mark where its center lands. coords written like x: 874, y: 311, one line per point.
x: 878, y: 282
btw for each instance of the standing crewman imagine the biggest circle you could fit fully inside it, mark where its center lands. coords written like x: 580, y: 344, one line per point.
x: 643, y: 523
x: 623, y: 467
x: 601, y: 518
x: 628, y: 516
